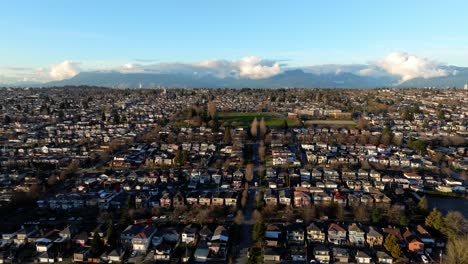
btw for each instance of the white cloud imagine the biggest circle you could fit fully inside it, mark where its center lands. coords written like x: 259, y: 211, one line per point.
x: 255, y: 68
x: 64, y: 70
x: 247, y: 67
x: 400, y: 64
x: 409, y: 66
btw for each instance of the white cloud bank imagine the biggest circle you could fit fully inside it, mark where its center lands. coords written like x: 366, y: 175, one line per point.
x: 401, y: 64
x: 64, y: 70
x: 248, y: 67
x: 409, y: 66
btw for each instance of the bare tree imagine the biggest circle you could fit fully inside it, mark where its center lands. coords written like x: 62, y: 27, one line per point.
x: 249, y: 172
x: 254, y: 127
x: 257, y: 216
x: 211, y: 108
x: 261, y: 151
x: 263, y: 128
x: 239, y: 219
x: 456, y: 251
x: 362, y: 123
x: 309, y: 213
x: 52, y: 180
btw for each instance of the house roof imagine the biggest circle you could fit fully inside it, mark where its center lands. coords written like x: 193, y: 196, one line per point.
x: 373, y: 233
x: 362, y: 254
x: 336, y: 228
x: 146, y: 232
x: 220, y: 230
x: 354, y: 227
x: 313, y: 227
x: 205, y: 231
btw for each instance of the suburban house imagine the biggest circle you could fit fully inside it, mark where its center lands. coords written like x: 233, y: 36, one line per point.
x: 336, y: 234
x: 322, y: 253
x: 384, y: 258
x: 363, y: 257
x: 340, y: 255
x: 373, y: 237
x: 272, y: 254
x: 142, y: 240
x: 414, y: 244
x: 189, y: 235
x: 315, y: 234
x: 272, y: 234
x: 295, y: 234
x: 356, y: 235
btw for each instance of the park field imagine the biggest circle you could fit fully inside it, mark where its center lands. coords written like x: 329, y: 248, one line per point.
x: 245, y: 118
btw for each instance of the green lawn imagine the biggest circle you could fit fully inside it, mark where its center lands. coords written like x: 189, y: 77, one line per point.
x: 245, y: 119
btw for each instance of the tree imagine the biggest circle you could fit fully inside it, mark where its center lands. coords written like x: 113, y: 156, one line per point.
x: 423, y: 204
x: 181, y: 157
x: 7, y: 120
x: 203, y: 215
x: 111, y: 235
x: 285, y: 125
x: 97, y: 245
x: 309, y: 213
x: 239, y: 219
x: 456, y: 251
x: 52, y: 180
x: 404, y: 221
x: 116, y: 116
x: 249, y: 172
x: 391, y: 245
x: 387, y: 136
x: 361, y: 214
x: 435, y: 219
x: 455, y: 225
x: 261, y: 151
x: 362, y: 123
x: 227, y: 136
x: 376, y: 216
x: 417, y: 145
x: 254, y: 128
x: 263, y: 128
x: 211, y: 108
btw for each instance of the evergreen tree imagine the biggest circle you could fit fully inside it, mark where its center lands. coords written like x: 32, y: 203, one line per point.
x: 423, y: 204
x: 97, y: 245
x: 285, y: 125
x: 7, y: 120
x: 404, y: 221
x: 391, y: 245
x: 435, y: 219
x: 111, y: 235
x: 376, y: 216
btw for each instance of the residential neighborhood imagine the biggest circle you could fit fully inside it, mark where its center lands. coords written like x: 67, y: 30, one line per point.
x: 101, y: 175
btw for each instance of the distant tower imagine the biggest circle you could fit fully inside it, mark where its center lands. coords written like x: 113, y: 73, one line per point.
x: 466, y: 86
x: 141, y: 86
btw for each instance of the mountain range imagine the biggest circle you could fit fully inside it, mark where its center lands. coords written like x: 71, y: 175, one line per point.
x: 291, y: 78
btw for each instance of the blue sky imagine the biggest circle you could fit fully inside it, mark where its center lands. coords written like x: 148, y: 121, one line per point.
x: 103, y: 34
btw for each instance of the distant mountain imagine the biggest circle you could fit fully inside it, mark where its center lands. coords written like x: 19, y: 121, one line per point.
x: 291, y: 78
x: 457, y: 78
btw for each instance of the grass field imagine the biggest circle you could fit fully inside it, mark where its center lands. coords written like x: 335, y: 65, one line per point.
x: 245, y: 119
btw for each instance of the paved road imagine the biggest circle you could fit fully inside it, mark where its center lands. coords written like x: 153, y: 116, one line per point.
x: 245, y: 239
